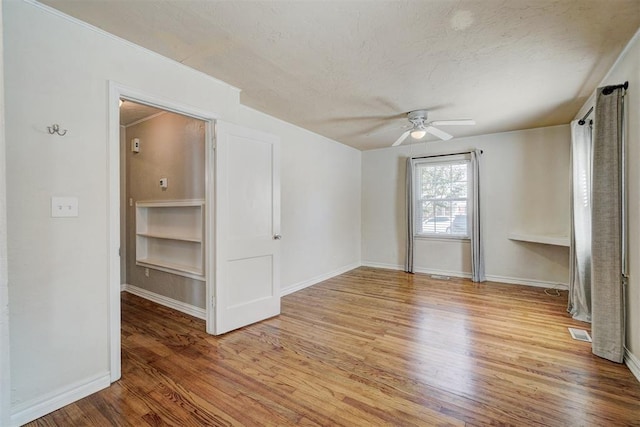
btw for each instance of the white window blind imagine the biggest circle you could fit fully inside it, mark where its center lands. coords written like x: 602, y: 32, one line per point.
x: 443, y: 188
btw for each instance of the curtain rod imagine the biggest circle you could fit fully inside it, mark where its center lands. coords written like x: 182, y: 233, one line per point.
x: 608, y: 90
x: 582, y: 120
x: 448, y: 154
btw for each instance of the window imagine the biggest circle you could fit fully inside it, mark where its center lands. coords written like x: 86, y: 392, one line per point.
x: 443, y: 197
x: 443, y: 201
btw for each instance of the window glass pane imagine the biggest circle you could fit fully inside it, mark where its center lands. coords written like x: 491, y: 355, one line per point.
x: 442, y: 190
x: 459, y: 221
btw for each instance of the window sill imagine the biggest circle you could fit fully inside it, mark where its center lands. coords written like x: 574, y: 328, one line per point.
x: 444, y: 238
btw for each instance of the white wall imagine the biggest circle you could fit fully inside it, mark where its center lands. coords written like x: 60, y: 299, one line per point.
x: 524, y: 188
x: 627, y: 68
x: 57, y: 71
x: 4, y: 290
x: 320, y: 202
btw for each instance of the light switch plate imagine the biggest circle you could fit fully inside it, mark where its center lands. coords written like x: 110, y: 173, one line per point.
x: 64, y: 207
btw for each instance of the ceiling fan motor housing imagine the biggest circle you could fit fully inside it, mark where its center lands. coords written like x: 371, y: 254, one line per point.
x: 417, y: 117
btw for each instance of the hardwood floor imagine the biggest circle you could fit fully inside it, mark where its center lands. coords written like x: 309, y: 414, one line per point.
x: 369, y: 347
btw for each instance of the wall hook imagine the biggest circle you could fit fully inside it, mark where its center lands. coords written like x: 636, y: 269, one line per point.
x: 56, y: 129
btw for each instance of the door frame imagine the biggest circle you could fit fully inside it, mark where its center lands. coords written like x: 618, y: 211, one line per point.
x: 116, y: 92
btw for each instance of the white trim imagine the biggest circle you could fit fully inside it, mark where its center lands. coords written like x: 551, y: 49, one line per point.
x: 633, y: 363
x: 113, y: 229
x: 419, y: 270
x: 33, y: 409
x: 180, y: 306
x: 210, y: 211
x: 108, y: 35
x: 5, y: 366
x: 490, y: 278
x: 134, y: 95
x: 527, y: 282
x: 382, y: 265
x: 116, y: 91
x: 137, y: 122
x: 315, y: 280
x: 436, y: 272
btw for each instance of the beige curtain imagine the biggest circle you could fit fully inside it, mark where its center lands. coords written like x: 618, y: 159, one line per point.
x: 477, y: 235
x: 408, y: 261
x: 607, y: 225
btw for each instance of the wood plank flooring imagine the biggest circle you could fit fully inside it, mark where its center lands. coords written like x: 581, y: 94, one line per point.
x: 369, y: 347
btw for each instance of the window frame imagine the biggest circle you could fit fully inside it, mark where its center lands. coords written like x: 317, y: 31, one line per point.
x: 447, y: 159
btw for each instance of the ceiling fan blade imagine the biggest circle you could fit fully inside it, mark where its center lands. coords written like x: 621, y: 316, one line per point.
x: 386, y: 127
x: 385, y: 117
x: 439, y: 133
x: 459, y: 122
x: 402, y: 138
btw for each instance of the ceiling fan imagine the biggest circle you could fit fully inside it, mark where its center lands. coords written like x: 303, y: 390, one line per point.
x: 420, y: 126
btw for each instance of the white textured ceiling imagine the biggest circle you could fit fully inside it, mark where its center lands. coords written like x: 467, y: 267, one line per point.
x: 132, y: 112
x: 345, y: 69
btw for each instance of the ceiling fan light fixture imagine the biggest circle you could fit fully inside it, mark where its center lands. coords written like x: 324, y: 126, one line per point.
x: 418, y: 133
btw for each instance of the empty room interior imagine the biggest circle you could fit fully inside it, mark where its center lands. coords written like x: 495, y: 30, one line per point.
x: 320, y: 212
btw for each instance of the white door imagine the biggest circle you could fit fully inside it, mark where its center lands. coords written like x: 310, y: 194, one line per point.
x: 247, y: 229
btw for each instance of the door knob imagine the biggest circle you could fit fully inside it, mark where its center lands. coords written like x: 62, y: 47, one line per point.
x: 277, y: 237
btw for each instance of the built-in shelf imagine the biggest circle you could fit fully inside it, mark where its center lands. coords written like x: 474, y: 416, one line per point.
x: 170, y: 236
x: 540, y: 238
x: 181, y: 238
x: 179, y: 269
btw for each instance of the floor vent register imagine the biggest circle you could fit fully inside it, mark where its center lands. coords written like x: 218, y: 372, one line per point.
x: 580, y: 334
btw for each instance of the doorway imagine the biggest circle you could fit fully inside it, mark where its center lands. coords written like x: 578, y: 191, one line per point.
x: 118, y: 202
x: 239, y: 222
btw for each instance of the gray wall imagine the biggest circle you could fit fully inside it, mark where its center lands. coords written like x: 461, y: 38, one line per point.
x: 171, y: 146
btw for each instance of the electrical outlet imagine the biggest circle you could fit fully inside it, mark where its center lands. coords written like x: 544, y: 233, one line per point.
x: 135, y: 145
x: 64, y: 207
x: 146, y: 272
x: 164, y: 183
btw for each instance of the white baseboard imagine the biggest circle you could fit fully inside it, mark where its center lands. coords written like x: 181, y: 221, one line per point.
x: 633, y: 363
x: 418, y: 270
x: 442, y: 272
x: 33, y: 409
x: 527, y: 282
x: 180, y: 306
x: 382, y: 265
x: 306, y: 283
x: 492, y: 278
